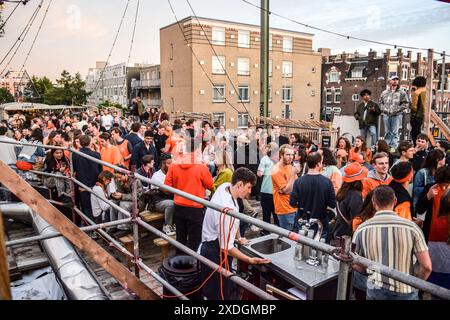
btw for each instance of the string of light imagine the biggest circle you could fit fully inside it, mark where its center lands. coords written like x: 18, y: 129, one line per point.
x: 196, y: 57
x: 348, y: 37
x: 31, y: 20
x: 222, y: 66
x: 112, y: 47
x: 22, y: 39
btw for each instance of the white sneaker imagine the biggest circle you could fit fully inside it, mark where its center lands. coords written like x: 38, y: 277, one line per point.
x: 167, y: 229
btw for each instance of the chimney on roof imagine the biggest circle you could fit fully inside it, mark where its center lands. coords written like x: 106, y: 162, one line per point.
x: 409, y: 55
x: 399, y: 52
x: 388, y: 53
x: 372, y: 54
x: 419, y: 57
x: 326, y: 52
x: 344, y: 56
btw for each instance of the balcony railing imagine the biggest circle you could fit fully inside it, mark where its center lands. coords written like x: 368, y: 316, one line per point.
x: 145, y: 84
x: 152, y: 102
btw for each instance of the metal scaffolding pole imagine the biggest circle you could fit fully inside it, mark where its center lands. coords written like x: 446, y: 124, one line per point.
x: 134, y: 216
x: 126, y: 252
x: 231, y: 276
x: 58, y: 234
x: 435, y: 290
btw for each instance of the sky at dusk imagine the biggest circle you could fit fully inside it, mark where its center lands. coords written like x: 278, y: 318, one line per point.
x: 77, y: 33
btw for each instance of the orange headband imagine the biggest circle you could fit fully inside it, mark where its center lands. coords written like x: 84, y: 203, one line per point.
x: 406, y: 179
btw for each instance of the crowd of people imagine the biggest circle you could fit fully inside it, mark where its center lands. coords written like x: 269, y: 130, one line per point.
x: 394, y: 200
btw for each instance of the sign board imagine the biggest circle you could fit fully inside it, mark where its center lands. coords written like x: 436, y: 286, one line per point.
x: 326, y: 142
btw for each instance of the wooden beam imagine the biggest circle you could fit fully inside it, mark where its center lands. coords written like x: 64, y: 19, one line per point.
x: 5, y: 289
x: 78, y: 238
x: 429, y: 96
x: 445, y: 130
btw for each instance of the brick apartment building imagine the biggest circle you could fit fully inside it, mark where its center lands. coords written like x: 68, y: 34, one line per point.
x: 294, y: 71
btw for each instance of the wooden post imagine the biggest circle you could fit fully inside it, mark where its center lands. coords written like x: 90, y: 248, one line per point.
x: 5, y: 289
x: 429, y: 97
x: 78, y: 238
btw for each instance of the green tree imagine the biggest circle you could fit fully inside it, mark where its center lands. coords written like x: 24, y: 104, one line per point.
x: 5, y: 96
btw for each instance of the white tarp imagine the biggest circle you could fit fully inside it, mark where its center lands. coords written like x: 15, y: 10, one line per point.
x: 40, y: 284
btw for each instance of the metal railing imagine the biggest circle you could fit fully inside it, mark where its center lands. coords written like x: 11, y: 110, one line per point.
x: 342, y: 253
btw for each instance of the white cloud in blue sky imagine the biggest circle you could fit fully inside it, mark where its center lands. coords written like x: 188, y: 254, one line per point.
x: 79, y: 32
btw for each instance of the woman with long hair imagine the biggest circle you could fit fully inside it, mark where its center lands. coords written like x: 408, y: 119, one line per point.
x: 360, y: 150
x: 343, y: 144
x: 434, y: 160
x: 99, y: 207
x: 56, y: 161
x: 18, y: 136
x: 224, y: 168
x: 330, y: 170
x: 349, y: 199
x: 31, y: 155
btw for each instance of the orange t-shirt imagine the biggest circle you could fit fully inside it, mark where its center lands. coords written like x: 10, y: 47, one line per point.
x: 280, y: 179
x: 353, y: 154
x: 123, y: 148
x: 111, y: 155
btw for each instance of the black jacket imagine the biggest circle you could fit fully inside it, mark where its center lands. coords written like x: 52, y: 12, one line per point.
x: 419, y: 160
x: 141, y: 150
x: 133, y: 138
x: 349, y: 207
x: 86, y: 171
x: 371, y: 119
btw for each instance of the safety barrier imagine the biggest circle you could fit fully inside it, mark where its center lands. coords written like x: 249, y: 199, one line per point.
x: 343, y: 253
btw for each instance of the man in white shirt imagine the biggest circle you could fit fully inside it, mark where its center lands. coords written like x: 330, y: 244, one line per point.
x: 107, y: 120
x: 164, y: 202
x: 219, y: 233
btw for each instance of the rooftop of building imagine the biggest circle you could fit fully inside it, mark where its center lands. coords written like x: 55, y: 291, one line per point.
x: 227, y: 23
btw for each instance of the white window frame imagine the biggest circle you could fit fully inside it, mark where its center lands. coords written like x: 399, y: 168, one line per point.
x: 220, y: 117
x: 286, y: 69
x: 357, y: 73
x: 240, y: 97
x: 243, y: 119
x: 243, y: 39
x: 270, y: 67
x: 283, y: 111
x: 404, y: 72
x: 220, y: 88
x: 218, y: 65
x: 413, y: 72
x: 334, y: 76
x: 337, y: 93
x: 242, y: 71
x: 355, y: 97
x: 288, y: 44
x: 286, y: 97
x: 218, y: 36
x: 392, y: 74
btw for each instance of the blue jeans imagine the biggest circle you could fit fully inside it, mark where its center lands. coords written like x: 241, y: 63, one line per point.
x: 287, y: 221
x: 369, y: 130
x: 374, y: 293
x: 391, y: 127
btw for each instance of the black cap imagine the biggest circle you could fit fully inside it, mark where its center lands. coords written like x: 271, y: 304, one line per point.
x: 149, y: 133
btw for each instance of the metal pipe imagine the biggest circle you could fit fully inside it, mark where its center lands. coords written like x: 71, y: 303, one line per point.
x: 116, y: 168
x: 44, y: 146
x: 231, y: 276
x: 134, y: 216
x: 111, y: 203
x: 58, y: 234
x: 43, y: 173
x: 344, y: 267
x: 126, y: 252
x: 267, y: 226
x: 77, y: 281
x: 158, y: 278
x: 435, y: 290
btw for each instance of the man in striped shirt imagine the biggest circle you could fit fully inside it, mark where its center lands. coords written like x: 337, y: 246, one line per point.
x: 392, y: 241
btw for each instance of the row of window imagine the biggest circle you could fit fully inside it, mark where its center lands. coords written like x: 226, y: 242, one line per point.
x: 243, y: 118
x: 113, y: 91
x: 244, y: 93
x: 333, y: 95
x: 243, y: 66
x: 218, y: 38
x: 357, y: 72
